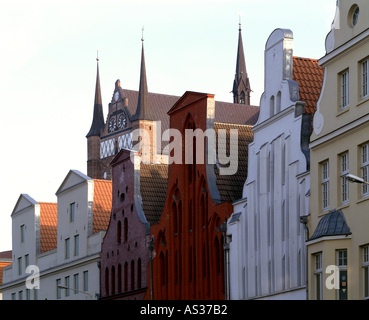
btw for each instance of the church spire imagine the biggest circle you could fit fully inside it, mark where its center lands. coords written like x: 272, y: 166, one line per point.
x: 241, y: 84
x: 143, y: 111
x: 98, y: 116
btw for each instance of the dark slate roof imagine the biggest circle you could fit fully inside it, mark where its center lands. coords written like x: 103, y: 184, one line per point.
x: 332, y: 224
x: 231, y: 186
x: 225, y: 112
x: 153, y: 186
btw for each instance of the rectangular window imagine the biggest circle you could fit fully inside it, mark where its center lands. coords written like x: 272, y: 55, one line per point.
x: 342, y: 265
x: 20, y: 267
x: 365, y: 251
x: 67, y: 249
x: 325, y: 185
x: 76, y: 245
x: 67, y: 283
x: 344, y: 182
x: 364, y: 79
x: 28, y: 294
x: 318, y: 276
x: 14, y: 297
x: 58, y: 289
x: 364, y: 168
x: 26, y: 260
x: 20, y: 295
x: 75, y: 283
x: 72, y: 211
x: 22, y: 233
x: 85, y: 281
x: 344, y: 90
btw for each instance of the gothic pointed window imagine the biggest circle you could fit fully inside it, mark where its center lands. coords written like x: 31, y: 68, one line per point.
x: 242, y: 97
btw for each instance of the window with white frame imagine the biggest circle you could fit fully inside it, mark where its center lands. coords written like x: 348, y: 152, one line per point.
x: 364, y: 168
x: 325, y: 185
x: 345, y: 90
x: 342, y: 265
x: 318, y: 275
x: 364, y: 79
x: 344, y: 182
x: 365, y: 251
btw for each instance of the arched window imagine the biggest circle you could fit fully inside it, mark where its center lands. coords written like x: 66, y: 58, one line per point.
x: 125, y: 229
x: 126, y: 276
x: 132, y: 275
x: 278, y: 104
x: 271, y: 106
x: 106, y: 281
x: 119, y: 278
x: 175, y: 218
x: 242, y: 97
x: 139, y: 273
x: 119, y: 232
x: 112, y: 280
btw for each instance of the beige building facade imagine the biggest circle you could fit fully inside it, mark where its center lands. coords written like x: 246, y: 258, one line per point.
x: 338, y: 245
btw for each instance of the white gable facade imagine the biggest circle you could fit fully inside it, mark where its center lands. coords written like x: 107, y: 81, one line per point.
x: 267, y: 255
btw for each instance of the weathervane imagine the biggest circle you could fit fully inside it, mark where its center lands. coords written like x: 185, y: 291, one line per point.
x: 143, y: 28
x: 97, y: 55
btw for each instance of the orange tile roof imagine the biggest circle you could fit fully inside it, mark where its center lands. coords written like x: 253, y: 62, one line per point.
x: 102, y: 204
x: 309, y: 75
x: 48, y: 225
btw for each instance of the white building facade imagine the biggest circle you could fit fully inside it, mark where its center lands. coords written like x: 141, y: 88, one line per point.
x: 267, y: 252
x: 56, y: 247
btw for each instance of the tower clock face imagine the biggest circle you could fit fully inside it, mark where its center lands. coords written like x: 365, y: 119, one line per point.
x: 122, y: 121
x: 112, y: 124
x: 116, y: 96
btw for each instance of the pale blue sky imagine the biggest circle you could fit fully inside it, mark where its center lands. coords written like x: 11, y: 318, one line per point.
x: 48, y: 69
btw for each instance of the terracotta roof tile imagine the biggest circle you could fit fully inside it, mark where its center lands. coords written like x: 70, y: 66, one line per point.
x: 102, y: 204
x: 6, y: 254
x: 48, y: 226
x: 309, y: 75
x: 153, y: 186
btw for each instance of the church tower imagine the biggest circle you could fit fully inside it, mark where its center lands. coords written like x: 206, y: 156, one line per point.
x: 241, y: 84
x: 93, y: 136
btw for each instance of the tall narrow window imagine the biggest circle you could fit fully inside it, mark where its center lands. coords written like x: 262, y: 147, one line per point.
x: 76, y: 282
x: 365, y: 251
x: 325, y: 185
x: 364, y: 79
x: 67, y: 284
x: 22, y: 233
x: 76, y: 245
x: 344, y: 182
x: 242, y: 97
x: 364, y: 168
x: 345, y: 90
x: 67, y: 249
x: 72, y: 207
x: 112, y: 280
x: 318, y: 276
x: 342, y: 265
x: 271, y: 106
x: 119, y: 280
x: 132, y: 275
x: 58, y: 289
x: 20, y: 267
x: 85, y: 281
x: 139, y: 273
x: 119, y: 232
x: 125, y: 229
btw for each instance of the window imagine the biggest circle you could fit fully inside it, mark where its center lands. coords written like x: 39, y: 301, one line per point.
x: 28, y: 294
x: 75, y: 283
x: 76, y: 245
x: 344, y: 182
x: 22, y: 233
x: 67, y: 253
x: 342, y: 265
x: 318, y: 276
x: 365, y: 251
x: 58, y: 289
x: 26, y: 260
x: 85, y: 280
x: 325, y: 185
x: 364, y: 79
x: 72, y: 211
x: 345, y: 90
x: 20, y: 295
x: 20, y: 266
x: 119, y: 232
x: 67, y: 283
x: 364, y: 167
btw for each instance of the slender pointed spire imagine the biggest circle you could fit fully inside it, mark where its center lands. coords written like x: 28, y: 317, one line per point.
x: 241, y: 84
x: 98, y: 116
x: 143, y: 111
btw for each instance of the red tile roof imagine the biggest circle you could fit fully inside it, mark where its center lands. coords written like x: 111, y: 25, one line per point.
x: 6, y: 254
x: 102, y: 204
x: 309, y: 75
x: 48, y: 226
